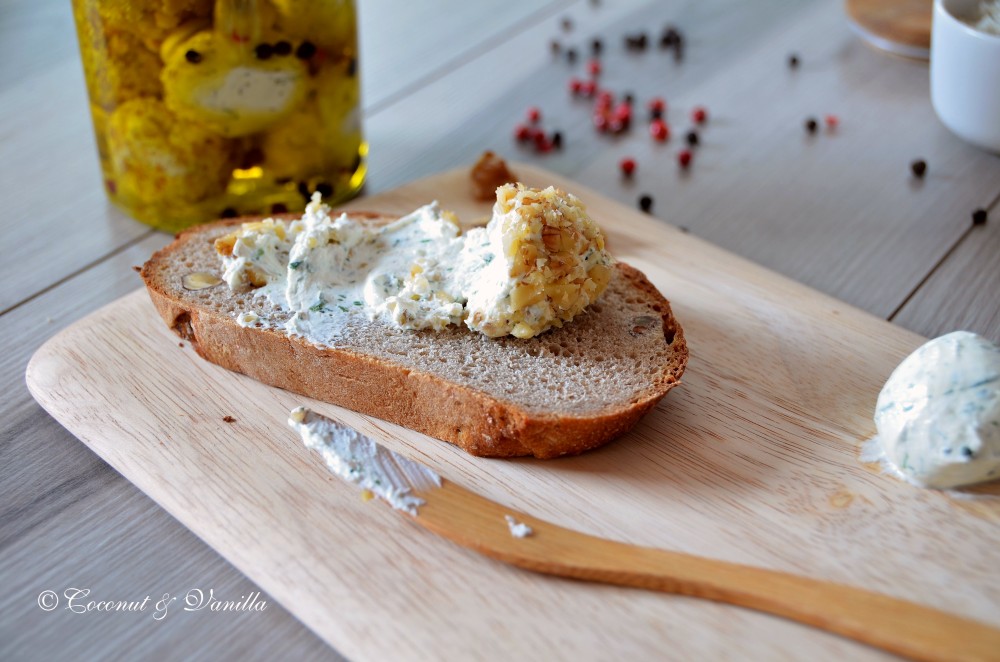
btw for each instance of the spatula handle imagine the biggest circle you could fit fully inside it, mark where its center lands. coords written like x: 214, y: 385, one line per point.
x: 891, y: 624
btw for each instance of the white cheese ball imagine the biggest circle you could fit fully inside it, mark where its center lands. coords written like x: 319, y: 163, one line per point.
x: 938, y: 415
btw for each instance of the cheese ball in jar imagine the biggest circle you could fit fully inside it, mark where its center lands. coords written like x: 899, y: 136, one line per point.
x: 211, y: 108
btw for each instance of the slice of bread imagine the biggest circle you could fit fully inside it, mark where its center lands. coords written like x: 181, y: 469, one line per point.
x: 562, y: 392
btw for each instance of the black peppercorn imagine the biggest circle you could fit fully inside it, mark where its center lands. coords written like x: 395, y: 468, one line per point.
x: 263, y: 51
x: 282, y: 48
x: 629, y: 99
x: 571, y: 55
x: 555, y: 47
x: 811, y: 125
x: 645, y: 203
x: 793, y: 61
x: 655, y: 114
x: 918, y: 168
x: 979, y: 217
x: 305, y: 50
x: 193, y: 56
x: 596, y: 46
x: 567, y: 25
x: 557, y: 139
x: 692, y: 138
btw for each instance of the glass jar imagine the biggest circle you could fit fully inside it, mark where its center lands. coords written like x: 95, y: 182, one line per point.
x: 209, y: 108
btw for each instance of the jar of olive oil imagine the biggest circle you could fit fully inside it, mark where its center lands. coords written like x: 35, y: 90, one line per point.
x: 211, y: 108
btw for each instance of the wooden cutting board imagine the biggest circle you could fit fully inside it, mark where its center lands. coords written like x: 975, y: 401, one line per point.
x: 753, y: 460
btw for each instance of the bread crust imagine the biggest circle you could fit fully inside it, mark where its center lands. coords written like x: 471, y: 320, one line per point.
x: 478, y: 422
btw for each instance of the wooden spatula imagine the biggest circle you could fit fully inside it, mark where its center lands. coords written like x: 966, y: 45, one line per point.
x: 477, y: 523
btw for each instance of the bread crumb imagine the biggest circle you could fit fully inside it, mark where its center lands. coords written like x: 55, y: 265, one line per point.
x: 229, y: 419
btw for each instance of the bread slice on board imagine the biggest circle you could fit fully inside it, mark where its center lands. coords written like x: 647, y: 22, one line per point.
x: 562, y: 392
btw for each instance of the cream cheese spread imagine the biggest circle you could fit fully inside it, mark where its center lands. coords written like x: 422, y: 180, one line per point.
x: 938, y: 415
x: 360, y: 460
x: 539, y: 262
x: 517, y: 529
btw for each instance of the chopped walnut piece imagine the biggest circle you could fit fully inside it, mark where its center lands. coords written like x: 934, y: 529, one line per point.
x: 489, y: 173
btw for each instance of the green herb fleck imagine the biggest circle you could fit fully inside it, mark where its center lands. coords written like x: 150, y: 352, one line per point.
x: 318, y: 306
x: 342, y: 309
x: 358, y: 303
x: 259, y: 253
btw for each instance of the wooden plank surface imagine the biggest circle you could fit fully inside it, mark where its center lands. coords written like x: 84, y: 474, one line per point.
x: 962, y: 292
x: 753, y: 461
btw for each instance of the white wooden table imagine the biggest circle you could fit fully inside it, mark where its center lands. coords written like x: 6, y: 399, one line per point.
x: 838, y: 211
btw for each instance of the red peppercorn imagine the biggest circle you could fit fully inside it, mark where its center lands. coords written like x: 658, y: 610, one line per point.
x: 575, y: 85
x: 657, y: 105
x: 534, y: 115
x: 832, y: 122
x: 623, y: 113
x: 543, y: 144
x: 601, y: 122
x: 699, y: 115
x: 588, y: 88
x: 594, y: 67
x: 605, y: 99
x: 540, y: 138
x: 684, y: 158
x: 627, y: 166
x: 522, y: 133
x: 659, y: 130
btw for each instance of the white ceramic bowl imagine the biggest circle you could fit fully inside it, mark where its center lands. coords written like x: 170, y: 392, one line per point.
x: 965, y: 74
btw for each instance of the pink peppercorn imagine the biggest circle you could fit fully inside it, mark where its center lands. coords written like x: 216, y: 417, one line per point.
x: 627, y: 166
x: 659, y: 130
x: 699, y: 115
x: 684, y: 158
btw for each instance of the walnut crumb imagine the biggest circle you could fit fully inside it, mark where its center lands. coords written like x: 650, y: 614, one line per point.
x: 229, y: 419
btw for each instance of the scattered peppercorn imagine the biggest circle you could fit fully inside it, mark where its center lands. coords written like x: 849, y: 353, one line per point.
x: 832, y: 122
x: 669, y: 37
x: 655, y: 114
x: 793, y: 61
x: 640, y: 41
x: 575, y: 86
x: 567, y: 24
x: 192, y: 56
x: 534, y: 115
x: 646, y: 202
x: 659, y: 130
x: 629, y: 99
x: 918, y: 168
x: 228, y: 212
x: 279, y: 208
x: 979, y: 217
x: 305, y: 50
x: 596, y: 46
x: 684, y: 158
x: 282, y: 48
x: 571, y: 55
x: 557, y: 139
x: 811, y: 125
x: 692, y: 138
x: 594, y: 67
x: 324, y: 189
x: 627, y: 166
x: 699, y: 115
x: 263, y: 51
x: 967, y: 452
x: 522, y: 133
x: 555, y: 47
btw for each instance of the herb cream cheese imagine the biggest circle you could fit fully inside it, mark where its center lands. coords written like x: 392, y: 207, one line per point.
x: 539, y: 262
x: 938, y: 415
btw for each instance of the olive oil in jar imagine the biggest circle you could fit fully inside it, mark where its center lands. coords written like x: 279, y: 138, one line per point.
x: 204, y: 109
